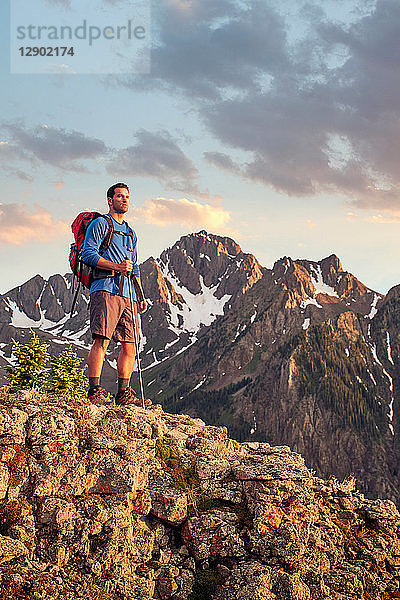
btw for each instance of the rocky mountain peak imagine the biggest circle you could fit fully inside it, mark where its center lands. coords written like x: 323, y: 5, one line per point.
x: 40, y: 301
x: 25, y: 296
x: 205, y: 240
x: 295, y: 279
x: 331, y: 264
x: 203, y: 260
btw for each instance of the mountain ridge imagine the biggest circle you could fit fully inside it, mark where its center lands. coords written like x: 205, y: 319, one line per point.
x: 256, y: 345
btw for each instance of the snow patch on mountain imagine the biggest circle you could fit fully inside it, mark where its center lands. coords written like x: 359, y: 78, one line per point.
x: 75, y: 336
x: 373, y: 310
x: 318, y: 282
x: 313, y: 301
x: 390, y: 379
x: 196, y: 387
x: 390, y: 414
x: 21, y: 320
x: 374, y: 354
x: 372, y: 377
x: 389, y: 350
x: 198, y: 309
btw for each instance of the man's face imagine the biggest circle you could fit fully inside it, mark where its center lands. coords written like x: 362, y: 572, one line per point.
x: 120, y: 201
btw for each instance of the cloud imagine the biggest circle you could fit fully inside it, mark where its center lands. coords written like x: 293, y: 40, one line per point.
x: 221, y: 160
x: 57, y: 147
x: 389, y: 217
x: 11, y: 154
x: 311, y: 101
x: 205, y: 47
x: 20, y: 225
x: 155, y: 155
x: 328, y: 128
x: 165, y: 211
x: 385, y: 219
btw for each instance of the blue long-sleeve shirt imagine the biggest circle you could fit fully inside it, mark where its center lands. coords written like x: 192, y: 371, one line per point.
x: 119, y: 249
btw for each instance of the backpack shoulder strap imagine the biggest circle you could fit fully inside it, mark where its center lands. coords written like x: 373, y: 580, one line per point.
x: 105, y: 244
x: 129, y: 233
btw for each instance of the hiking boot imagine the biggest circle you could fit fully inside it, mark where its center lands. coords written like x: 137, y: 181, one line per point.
x: 128, y: 396
x: 98, y: 396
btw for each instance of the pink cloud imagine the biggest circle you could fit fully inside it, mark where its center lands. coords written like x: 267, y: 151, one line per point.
x: 20, y: 224
x: 164, y: 211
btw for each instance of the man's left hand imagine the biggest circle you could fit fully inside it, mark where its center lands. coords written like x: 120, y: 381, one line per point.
x: 142, y: 306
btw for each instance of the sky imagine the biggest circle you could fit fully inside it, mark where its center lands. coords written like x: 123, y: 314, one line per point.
x: 274, y: 123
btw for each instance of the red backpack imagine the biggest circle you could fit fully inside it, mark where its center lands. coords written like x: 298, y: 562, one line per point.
x: 83, y: 274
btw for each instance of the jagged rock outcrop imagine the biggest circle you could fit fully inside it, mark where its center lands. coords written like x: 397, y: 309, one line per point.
x: 122, y: 503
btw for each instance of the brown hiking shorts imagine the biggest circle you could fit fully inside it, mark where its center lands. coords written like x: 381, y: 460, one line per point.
x: 111, y: 317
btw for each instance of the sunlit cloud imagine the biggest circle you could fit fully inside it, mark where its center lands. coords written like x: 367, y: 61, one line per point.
x: 165, y: 211
x: 384, y: 219
x: 19, y: 225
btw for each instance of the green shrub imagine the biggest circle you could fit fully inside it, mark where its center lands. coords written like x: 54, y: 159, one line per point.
x: 30, y: 369
x: 67, y: 375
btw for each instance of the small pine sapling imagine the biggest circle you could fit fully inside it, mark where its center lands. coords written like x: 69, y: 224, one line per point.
x: 67, y: 375
x: 29, y: 370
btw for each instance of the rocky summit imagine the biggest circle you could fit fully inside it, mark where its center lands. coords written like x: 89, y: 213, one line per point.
x: 121, y: 503
x: 301, y: 354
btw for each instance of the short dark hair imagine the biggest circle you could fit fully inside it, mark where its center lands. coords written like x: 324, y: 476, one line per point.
x: 111, y: 190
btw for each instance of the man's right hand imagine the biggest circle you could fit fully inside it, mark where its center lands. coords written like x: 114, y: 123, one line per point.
x: 126, y: 267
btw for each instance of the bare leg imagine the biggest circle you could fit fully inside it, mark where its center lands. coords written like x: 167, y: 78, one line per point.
x: 96, y: 356
x: 126, y: 360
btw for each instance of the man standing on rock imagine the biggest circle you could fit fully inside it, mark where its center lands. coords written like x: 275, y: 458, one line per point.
x: 110, y: 307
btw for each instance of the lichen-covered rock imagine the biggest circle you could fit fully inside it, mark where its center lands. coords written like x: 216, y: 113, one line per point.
x: 53, y: 426
x: 123, y: 503
x: 229, y: 491
x: 10, y: 549
x: 169, y: 504
x: 213, y: 469
x: 12, y: 426
x: 268, y: 467
x: 289, y: 586
x: 4, y: 479
x: 213, y: 534
x: 248, y: 581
